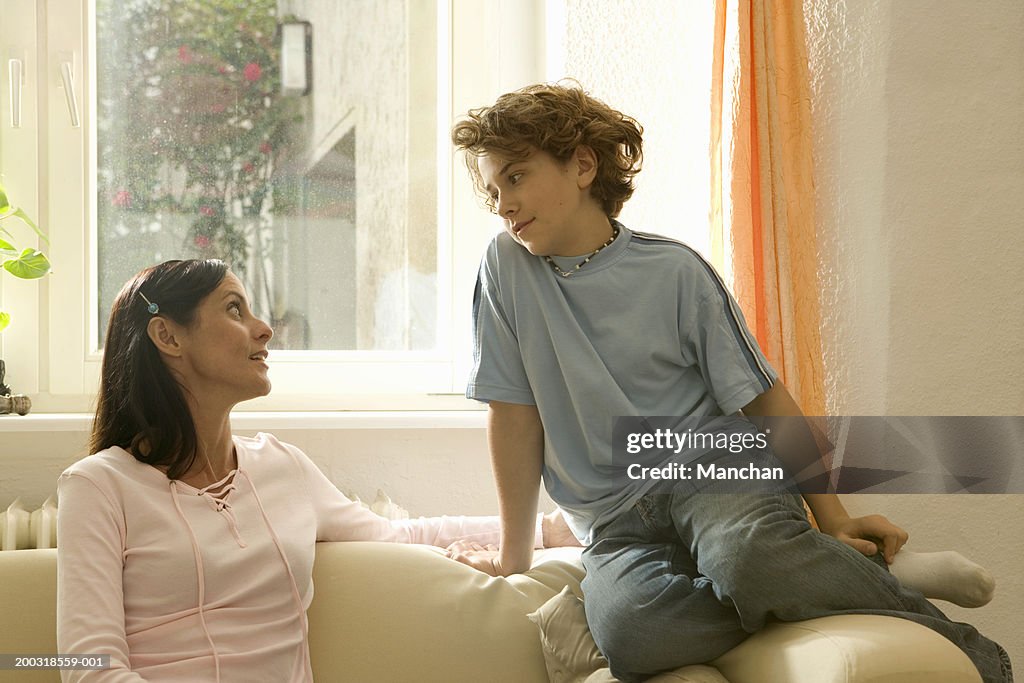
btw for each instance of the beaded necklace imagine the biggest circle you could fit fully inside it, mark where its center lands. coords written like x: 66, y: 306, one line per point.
x: 571, y: 271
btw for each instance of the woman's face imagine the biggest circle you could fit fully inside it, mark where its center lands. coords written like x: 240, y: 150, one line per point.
x: 224, y: 351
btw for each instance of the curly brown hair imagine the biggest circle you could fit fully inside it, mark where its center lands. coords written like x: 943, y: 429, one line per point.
x: 556, y: 119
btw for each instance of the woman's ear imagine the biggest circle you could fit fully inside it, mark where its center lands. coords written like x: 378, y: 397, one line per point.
x: 586, y: 166
x: 164, y: 336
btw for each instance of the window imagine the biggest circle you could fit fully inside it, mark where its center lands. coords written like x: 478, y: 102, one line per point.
x: 342, y: 208
x: 334, y: 206
x: 323, y: 201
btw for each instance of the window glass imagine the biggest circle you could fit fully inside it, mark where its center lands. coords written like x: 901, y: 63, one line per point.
x: 321, y: 195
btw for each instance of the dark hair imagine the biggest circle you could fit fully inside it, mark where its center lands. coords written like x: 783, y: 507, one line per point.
x: 141, y: 406
x: 556, y: 119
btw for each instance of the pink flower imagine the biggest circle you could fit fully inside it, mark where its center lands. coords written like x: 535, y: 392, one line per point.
x: 248, y: 168
x: 202, y: 241
x: 122, y: 198
x: 184, y: 56
x: 252, y: 72
x: 218, y: 108
x: 206, y: 211
x: 265, y: 147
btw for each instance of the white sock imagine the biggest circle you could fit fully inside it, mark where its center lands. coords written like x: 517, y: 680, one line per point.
x: 945, y: 575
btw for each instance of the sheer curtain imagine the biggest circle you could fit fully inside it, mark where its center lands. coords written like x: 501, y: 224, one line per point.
x: 762, y: 188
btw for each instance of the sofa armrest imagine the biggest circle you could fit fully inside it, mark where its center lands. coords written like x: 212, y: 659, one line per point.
x: 28, y: 584
x: 394, y: 612
x: 854, y: 648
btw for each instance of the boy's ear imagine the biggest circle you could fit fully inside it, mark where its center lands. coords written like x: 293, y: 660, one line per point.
x: 586, y: 166
x: 164, y: 336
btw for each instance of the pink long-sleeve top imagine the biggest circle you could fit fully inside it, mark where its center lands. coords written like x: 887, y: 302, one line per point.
x: 183, y: 584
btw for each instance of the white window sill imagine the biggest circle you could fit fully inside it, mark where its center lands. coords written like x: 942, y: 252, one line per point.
x: 271, y: 421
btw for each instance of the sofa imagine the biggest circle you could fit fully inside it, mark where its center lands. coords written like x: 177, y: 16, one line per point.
x: 386, y: 612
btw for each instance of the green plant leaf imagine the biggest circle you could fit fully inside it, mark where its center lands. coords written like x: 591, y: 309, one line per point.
x: 28, y: 221
x: 8, y: 248
x: 5, y: 320
x: 8, y: 211
x: 31, y: 264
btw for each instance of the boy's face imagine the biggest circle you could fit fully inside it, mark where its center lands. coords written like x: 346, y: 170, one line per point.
x: 545, y: 204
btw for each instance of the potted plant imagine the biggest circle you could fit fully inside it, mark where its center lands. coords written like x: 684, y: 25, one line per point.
x: 27, y: 264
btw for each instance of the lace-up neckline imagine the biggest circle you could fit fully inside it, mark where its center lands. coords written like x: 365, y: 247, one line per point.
x: 216, y: 495
x: 216, y: 489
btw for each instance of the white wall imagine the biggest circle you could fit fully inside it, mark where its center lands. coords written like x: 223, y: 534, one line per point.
x: 428, y: 471
x: 919, y: 159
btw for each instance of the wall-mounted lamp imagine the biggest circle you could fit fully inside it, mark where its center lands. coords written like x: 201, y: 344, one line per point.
x: 296, y: 57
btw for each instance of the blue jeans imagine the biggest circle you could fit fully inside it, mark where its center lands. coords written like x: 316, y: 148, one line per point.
x: 687, y: 574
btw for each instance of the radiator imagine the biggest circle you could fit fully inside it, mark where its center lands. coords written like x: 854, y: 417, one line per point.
x: 21, y: 529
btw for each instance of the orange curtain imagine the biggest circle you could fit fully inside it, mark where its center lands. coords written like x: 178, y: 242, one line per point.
x: 762, y: 204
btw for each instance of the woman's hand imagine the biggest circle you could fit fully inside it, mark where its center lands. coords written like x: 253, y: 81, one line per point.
x: 870, y: 534
x: 556, y: 532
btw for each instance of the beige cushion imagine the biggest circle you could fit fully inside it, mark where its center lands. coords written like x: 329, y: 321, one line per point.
x: 570, y: 654
x: 699, y: 673
x: 390, y: 612
x: 854, y: 648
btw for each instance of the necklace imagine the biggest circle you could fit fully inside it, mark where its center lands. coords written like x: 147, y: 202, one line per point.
x: 567, y: 273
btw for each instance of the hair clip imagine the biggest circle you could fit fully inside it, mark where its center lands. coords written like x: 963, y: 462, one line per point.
x: 152, y: 307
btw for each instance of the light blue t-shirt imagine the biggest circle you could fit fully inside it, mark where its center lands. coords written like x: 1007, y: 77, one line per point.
x: 646, y: 328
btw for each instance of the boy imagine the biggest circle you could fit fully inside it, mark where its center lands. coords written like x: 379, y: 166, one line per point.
x: 578, y: 321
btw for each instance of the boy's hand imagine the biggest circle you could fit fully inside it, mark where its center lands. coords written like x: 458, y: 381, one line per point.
x: 485, y: 561
x: 462, y: 546
x: 870, y: 534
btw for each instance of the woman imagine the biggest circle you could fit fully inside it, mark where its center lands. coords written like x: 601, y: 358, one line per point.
x: 186, y: 553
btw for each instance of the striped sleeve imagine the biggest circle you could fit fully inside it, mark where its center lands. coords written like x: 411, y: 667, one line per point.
x: 732, y: 364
